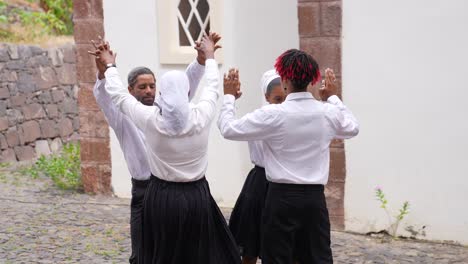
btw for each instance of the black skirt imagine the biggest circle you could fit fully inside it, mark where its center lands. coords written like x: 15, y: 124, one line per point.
x: 182, y: 224
x: 246, y: 218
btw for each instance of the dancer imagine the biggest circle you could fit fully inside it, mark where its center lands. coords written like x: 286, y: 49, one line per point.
x: 142, y: 85
x: 246, y: 218
x: 296, y: 136
x: 181, y: 223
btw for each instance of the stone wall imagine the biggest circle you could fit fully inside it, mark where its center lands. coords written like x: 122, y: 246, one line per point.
x: 320, y: 35
x: 38, y: 100
x: 96, y: 167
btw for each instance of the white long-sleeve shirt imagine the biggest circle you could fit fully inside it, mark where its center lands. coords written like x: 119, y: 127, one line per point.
x: 256, y: 153
x: 296, y: 135
x: 131, y: 139
x: 179, y: 158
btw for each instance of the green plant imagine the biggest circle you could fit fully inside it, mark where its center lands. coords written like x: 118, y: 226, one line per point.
x: 19, y: 23
x: 393, y: 220
x: 64, y: 169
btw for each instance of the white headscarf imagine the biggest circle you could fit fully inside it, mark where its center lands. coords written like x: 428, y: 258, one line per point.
x: 173, y: 100
x: 267, y: 77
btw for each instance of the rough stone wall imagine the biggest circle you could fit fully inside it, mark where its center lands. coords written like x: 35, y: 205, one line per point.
x: 38, y: 100
x: 96, y: 165
x: 320, y: 35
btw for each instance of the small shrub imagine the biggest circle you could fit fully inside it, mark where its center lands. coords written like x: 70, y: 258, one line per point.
x: 64, y: 169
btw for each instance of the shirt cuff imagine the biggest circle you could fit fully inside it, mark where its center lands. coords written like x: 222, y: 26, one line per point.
x: 334, y: 100
x: 229, y: 99
x: 111, y: 71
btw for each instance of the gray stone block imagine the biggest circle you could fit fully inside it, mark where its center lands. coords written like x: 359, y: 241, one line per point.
x: 18, y: 100
x: 42, y: 148
x: 4, y: 55
x: 58, y: 95
x: 24, y: 153
x: 52, y: 111
x: 24, y: 52
x: 65, y: 127
x: 14, y: 116
x: 45, y: 97
x: 13, y: 88
x: 76, y: 123
x: 56, y: 56
x: 48, y: 129
x: 67, y: 74
x: 69, y: 106
x: 9, y: 76
x: 4, y: 93
x: 37, y: 51
x: 38, y: 61
x: 4, y: 124
x: 8, y: 155
x: 33, y: 111
x: 46, y: 78
x: 3, y: 107
x: 13, y: 52
x: 69, y: 54
x: 13, y: 137
x: 15, y: 65
x: 3, y: 142
x: 56, y: 145
x: 31, y: 131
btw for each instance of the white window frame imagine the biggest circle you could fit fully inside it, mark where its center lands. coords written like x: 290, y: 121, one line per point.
x: 170, y: 52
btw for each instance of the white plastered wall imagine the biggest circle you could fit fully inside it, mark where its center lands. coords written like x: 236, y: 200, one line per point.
x: 404, y: 77
x: 254, y: 34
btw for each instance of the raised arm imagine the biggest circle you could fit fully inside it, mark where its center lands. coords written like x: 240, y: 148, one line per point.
x: 127, y: 104
x: 194, y: 73
x: 342, y: 123
x: 196, y: 69
x: 258, y: 125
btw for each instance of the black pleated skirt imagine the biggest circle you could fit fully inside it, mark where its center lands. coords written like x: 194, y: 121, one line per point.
x: 246, y: 218
x: 182, y: 224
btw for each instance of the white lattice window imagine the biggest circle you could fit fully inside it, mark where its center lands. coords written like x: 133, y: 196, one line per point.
x: 181, y: 23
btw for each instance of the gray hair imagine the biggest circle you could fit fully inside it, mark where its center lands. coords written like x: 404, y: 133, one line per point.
x: 133, y: 75
x: 273, y: 84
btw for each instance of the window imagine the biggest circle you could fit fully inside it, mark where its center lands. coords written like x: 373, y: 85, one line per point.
x: 183, y: 22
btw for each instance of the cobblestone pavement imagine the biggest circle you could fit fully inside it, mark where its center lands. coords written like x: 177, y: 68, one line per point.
x: 40, y: 224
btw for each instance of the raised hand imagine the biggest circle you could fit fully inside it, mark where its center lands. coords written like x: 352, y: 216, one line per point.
x: 104, y: 56
x: 232, y: 84
x: 201, y: 56
x: 328, y: 85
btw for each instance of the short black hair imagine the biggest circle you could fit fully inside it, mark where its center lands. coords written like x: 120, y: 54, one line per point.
x: 298, y: 67
x: 133, y: 75
x: 273, y: 84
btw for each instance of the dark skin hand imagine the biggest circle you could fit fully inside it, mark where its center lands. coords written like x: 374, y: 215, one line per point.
x: 329, y: 87
x: 232, y: 84
x: 201, y: 58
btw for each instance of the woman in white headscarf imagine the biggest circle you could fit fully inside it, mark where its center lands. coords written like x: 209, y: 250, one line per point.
x: 181, y: 222
x: 246, y: 217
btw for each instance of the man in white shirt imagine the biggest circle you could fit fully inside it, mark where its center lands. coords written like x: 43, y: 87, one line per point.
x: 142, y: 86
x: 296, y: 136
x: 181, y: 223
